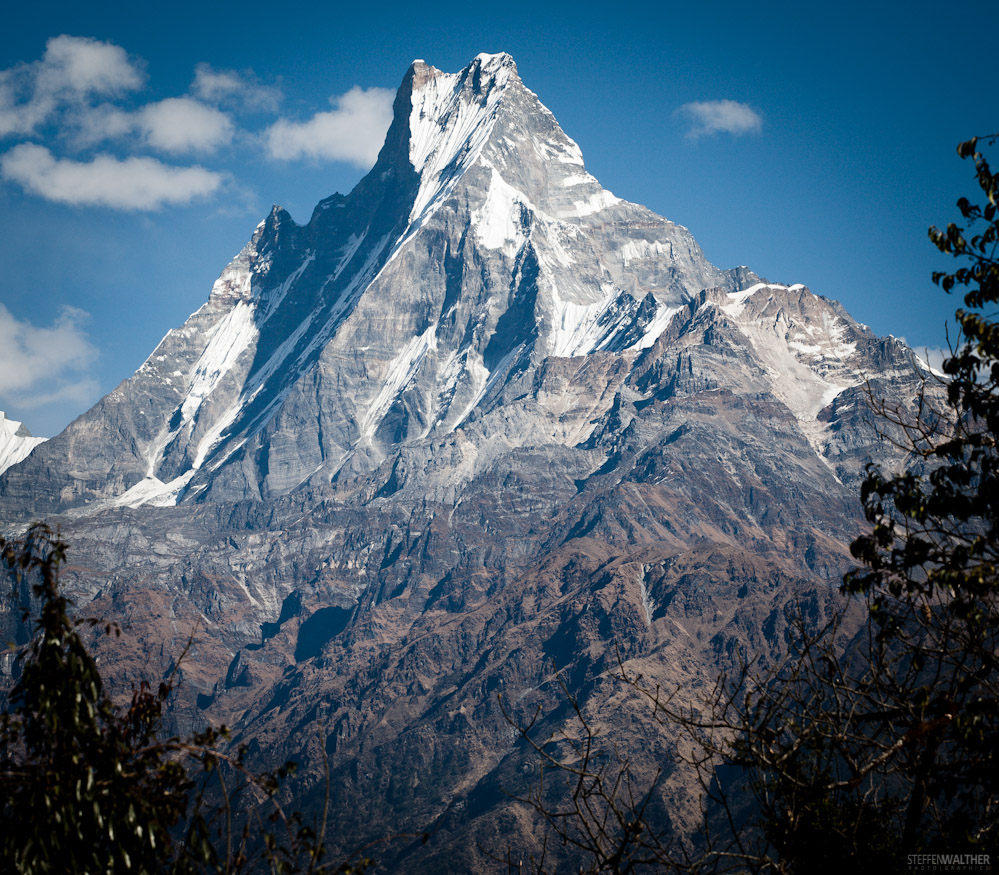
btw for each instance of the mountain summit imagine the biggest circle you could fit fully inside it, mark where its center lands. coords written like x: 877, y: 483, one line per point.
x: 476, y: 418
x: 476, y: 247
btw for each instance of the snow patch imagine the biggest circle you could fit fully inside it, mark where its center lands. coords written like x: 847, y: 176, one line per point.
x: 737, y: 300
x: 659, y: 323
x: 275, y: 298
x: 15, y: 444
x: 575, y: 329
x: 214, y: 435
x: 570, y: 153
x: 807, y: 360
x: 558, y: 233
x: 232, y: 334
x: 154, y: 492
x: 478, y: 377
x: 634, y: 250
x: 236, y: 280
x: 449, y: 126
x: 597, y: 201
x: 497, y: 222
x: 400, y: 371
x: 353, y: 244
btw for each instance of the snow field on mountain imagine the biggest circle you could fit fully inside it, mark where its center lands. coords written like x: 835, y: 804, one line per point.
x: 14, y: 446
x: 595, y: 202
x: 659, y: 323
x: 400, y: 371
x: 233, y: 334
x: 446, y: 124
x: 808, y: 364
x: 497, y: 222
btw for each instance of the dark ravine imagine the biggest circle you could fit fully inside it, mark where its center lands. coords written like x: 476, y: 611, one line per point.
x: 477, y: 418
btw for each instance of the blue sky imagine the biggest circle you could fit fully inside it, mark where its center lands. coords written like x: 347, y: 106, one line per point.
x: 141, y: 143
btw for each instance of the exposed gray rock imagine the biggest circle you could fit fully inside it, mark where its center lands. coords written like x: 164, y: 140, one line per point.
x: 477, y: 417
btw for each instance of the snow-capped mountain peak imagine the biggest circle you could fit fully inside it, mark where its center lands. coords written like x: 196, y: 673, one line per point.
x: 475, y: 255
x: 476, y: 415
x: 449, y: 109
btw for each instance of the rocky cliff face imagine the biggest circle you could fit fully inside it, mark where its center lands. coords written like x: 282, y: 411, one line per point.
x: 476, y: 419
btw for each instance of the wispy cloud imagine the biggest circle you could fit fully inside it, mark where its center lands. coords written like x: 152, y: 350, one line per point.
x: 353, y: 131
x: 177, y: 126
x: 709, y: 117
x: 72, y: 70
x: 87, y: 65
x: 40, y: 365
x: 233, y: 88
x: 128, y: 184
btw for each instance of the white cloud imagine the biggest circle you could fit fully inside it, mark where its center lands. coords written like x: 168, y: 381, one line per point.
x: 20, y: 116
x: 176, y: 125
x: 129, y: 184
x: 79, y: 98
x: 41, y: 365
x: 230, y: 87
x: 72, y: 70
x: 84, y: 390
x: 182, y: 124
x: 95, y: 124
x: 710, y: 117
x: 86, y: 66
x: 353, y: 131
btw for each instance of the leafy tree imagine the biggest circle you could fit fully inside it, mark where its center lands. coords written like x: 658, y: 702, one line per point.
x: 933, y: 553
x: 88, y: 787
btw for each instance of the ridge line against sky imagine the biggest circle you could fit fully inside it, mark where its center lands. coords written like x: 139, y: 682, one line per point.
x: 138, y: 149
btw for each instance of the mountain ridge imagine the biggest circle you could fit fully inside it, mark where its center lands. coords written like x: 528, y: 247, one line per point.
x: 474, y: 418
x: 223, y: 400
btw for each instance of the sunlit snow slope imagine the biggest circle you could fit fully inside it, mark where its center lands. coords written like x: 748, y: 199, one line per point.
x: 16, y: 442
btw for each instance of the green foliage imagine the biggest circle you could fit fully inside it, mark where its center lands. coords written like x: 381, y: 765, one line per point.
x: 936, y: 531
x: 88, y: 787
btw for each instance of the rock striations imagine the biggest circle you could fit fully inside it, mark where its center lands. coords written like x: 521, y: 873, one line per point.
x: 477, y: 418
